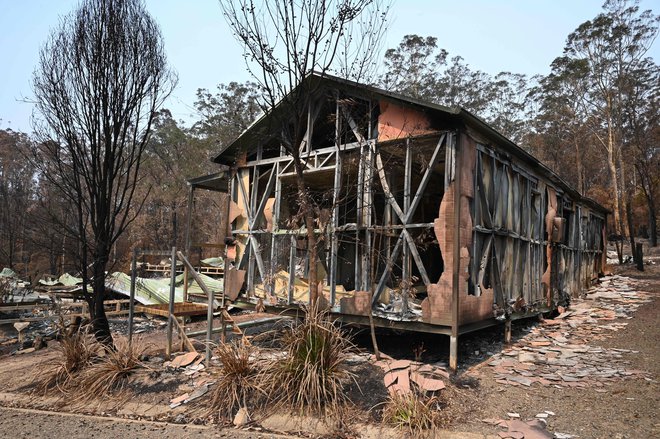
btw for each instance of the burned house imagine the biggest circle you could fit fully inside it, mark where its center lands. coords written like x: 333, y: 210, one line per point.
x: 428, y: 218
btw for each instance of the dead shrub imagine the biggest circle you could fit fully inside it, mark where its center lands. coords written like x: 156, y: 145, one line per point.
x: 77, y: 351
x: 310, y: 378
x: 411, y: 411
x: 238, y: 384
x: 108, y: 374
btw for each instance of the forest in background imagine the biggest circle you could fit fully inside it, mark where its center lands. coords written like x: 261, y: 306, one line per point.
x: 593, y: 119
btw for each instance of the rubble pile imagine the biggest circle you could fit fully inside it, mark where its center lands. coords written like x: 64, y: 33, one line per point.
x: 557, y: 352
x: 532, y: 429
x: 399, y: 374
x: 190, y: 364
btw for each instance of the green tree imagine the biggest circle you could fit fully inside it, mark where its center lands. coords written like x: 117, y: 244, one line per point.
x: 225, y: 114
x: 413, y: 67
x: 641, y: 121
x: 611, y: 47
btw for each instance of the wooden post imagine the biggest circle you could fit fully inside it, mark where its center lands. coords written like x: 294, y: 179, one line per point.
x: 170, y: 319
x: 131, y: 300
x: 209, y: 313
x: 456, y: 278
x: 507, y: 331
x: 223, y: 325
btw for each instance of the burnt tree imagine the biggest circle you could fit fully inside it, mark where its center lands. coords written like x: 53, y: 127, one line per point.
x: 101, y: 76
x: 284, y: 42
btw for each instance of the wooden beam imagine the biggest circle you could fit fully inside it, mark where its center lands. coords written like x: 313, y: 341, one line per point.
x: 425, y: 180
x: 388, y: 269
x: 412, y: 249
x: 264, y: 198
x: 184, y: 338
x: 256, y: 252
x: 209, y: 315
x: 351, y: 123
x: 386, y: 187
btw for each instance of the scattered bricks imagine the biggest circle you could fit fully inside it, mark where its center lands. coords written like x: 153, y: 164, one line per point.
x: 399, y: 364
x: 183, y: 360
x: 427, y: 384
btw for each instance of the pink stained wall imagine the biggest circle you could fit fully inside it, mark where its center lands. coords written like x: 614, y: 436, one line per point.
x: 397, y: 122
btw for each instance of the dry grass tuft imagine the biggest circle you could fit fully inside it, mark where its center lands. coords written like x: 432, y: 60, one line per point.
x: 310, y: 378
x: 77, y: 352
x: 238, y: 383
x: 108, y: 374
x: 410, y: 411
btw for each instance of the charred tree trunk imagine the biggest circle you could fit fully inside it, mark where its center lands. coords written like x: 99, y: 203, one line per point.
x: 631, y: 225
x: 97, y: 309
x: 653, y: 224
x: 308, y: 211
x: 649, y: 196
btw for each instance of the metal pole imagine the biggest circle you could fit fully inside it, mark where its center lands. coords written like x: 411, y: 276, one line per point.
x: 209, y: 325
x: 171, y: 303
x: 456, y: 277
x: 131, y: 300
x: 191, y: 190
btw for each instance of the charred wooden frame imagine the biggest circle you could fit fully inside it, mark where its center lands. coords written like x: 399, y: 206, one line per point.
x: 427, y: 218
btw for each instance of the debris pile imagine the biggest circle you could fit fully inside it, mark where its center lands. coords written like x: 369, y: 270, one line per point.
x: 517, y: 429
x: 399, y: 374
x: 191, y: 365
x: 531, y: 429
x: 557, y: 352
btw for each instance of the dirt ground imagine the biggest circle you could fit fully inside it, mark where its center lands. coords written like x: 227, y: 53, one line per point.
x: 624, y: 408
x: 35, y: 424
x: 627, y: 409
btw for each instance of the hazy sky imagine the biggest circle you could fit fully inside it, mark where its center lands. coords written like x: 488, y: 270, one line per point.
x: 521, y: 36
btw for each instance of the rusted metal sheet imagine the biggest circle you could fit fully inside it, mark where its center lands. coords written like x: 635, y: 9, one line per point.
x: 234, y: 281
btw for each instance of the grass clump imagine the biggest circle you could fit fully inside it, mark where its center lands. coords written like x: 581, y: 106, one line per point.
x: 411, y: 411
x: 238, y: 383
x: 77, y: 351
x: 310, y: 378
x: 108, y: 374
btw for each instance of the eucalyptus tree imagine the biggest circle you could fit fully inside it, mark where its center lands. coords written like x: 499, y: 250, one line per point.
x: 611, y: 47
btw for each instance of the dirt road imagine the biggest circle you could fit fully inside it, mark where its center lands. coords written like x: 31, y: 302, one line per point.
x: 37, y: 424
